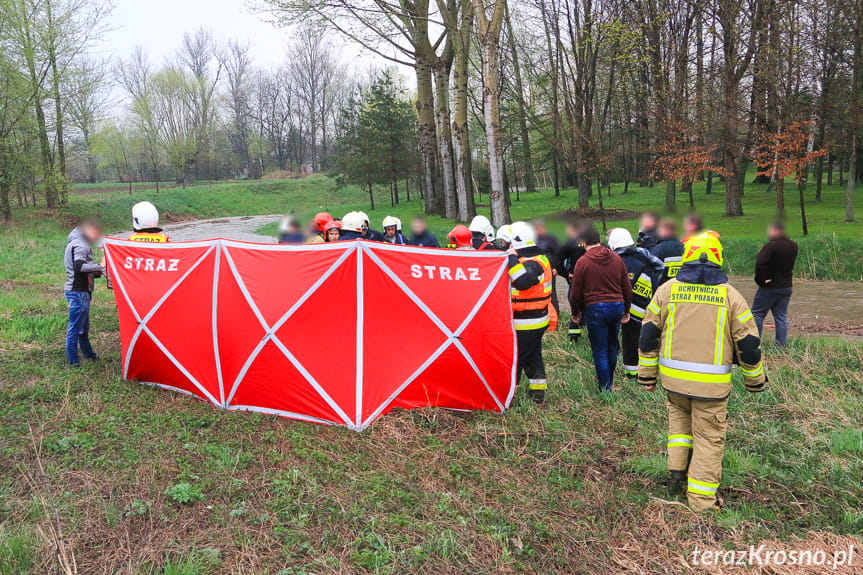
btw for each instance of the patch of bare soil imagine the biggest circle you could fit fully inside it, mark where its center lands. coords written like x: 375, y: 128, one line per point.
x: 826, y: 327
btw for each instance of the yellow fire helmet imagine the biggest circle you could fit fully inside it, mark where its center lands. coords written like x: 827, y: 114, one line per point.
x: 703, y: 247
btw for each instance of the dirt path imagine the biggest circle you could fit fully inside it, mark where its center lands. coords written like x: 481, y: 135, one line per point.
x: 817, y: 307
x: 241, y: 228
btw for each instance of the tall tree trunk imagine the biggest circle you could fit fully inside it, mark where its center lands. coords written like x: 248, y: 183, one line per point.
x: 670, y: 195
x: 526, y: 156
x: 5, y: 183
x: 554, y: 58
x: 464, y: 164
x: 58, y: 106
x: 442, y: 69
x: 854, y: 112
x: 801, y: 187
x: 428, y: 134
x: 489, y: 36
x: 852, y: 177
x: 780, y: 198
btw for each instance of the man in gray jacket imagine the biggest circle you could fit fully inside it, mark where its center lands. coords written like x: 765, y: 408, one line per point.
x: 81, y: 272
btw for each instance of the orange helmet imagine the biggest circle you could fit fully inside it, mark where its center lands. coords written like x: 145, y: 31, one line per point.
x: 460, y: 237
x: 321, y: 220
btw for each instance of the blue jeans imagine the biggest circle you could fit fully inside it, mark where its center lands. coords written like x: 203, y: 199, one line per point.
x: 78, y: 332
x: 775, y: 300
x: 603, y: 326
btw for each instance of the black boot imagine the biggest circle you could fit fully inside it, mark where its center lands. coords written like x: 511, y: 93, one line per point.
x: 536, y: 395
x: 676, y: 478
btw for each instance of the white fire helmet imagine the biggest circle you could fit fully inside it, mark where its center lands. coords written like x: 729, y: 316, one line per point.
x: 390, y: 221
x: 398, y: 224
x: 504, y: 233
x: 523, y: 235
x: 353, y: 222
x: 482, y: 225
x: 619, y: 238
x: 367, y: 223
x: 144, y: 216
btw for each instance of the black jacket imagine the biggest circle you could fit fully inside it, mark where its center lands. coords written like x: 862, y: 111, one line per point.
x: 550, y: 247
x: 567, y: 256
x: 670, y: 251
x: 425, y: 240
x: 775, y: 262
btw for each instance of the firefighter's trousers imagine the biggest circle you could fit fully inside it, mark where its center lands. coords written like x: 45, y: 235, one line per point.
x: 530, y: 358
x: 629, y: 334
x: 696, y: 429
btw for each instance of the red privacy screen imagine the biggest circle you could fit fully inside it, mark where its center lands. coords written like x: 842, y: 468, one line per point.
x: 337, y: 333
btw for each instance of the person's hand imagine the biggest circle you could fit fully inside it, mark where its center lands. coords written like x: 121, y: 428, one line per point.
x: 576, y: 318
x: 511, y: 251
x: 625, y: 318
x: 768, y: 281
x: 650, y: 387
x: 570, y: 277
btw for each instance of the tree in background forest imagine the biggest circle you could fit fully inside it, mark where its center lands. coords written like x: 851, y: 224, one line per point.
x: 376, y: 146
x: 510, y: 96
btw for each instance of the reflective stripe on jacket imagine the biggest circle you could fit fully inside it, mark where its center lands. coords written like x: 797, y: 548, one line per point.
x: 151, y: 237
x: 532, y: 273
x: 692, y: 334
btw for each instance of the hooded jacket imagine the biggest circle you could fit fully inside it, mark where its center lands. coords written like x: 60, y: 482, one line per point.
x: 78, y: 260
x: 600, y: 276
x: 645, y: 274
x: 670, y: 251
x: 695, y: 328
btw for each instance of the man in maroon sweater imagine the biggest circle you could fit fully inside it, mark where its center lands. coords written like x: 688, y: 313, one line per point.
x: 600, y: 295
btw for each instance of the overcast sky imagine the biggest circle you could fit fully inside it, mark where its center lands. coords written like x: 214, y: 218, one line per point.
x: 158, y: 26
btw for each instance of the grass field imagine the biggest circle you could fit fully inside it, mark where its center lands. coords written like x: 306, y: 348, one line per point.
x: 99, y: 475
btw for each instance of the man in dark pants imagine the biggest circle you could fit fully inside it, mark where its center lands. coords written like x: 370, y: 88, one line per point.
x: 566, y: 259
x: 81, y: 271
x: 774, y: 271
x: 549, y: 246
x: 645, y: 272
x: 601, y: 293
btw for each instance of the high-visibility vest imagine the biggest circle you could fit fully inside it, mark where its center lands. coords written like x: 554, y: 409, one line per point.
x: 539, y: 295
x: 157, y: 237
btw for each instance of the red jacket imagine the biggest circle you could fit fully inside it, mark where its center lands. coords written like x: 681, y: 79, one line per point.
x: 600, y: 276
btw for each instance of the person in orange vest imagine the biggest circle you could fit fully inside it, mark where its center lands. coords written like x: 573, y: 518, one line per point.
x: 531, y: 279
x: 145, y: 222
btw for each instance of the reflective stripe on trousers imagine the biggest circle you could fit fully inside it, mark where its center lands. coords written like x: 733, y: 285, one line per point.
x: 702, y: 487
x: 680, y: 440
x: 531, y: 323
x: 535, y: 384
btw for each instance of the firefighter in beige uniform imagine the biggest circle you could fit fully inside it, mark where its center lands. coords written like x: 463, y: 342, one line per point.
x: 695, y: 327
